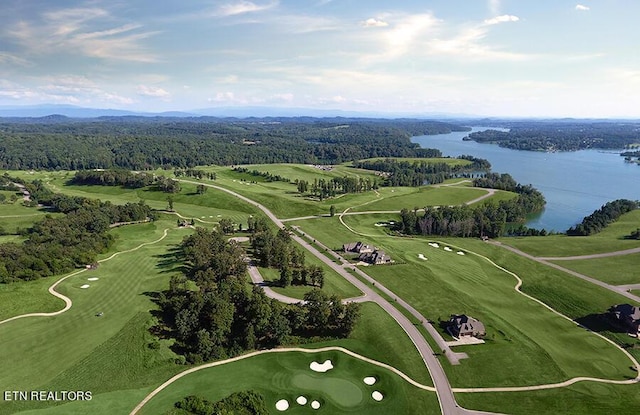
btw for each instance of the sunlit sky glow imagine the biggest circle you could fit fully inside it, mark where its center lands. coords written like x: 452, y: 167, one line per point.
x: 482, y: 57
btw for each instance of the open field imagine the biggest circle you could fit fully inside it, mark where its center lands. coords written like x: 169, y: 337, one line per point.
x: 28, y: 297
x: 526, y: 344
x: 610, y: 239
x: 425, y: 196
x: 579, y: 399
x: 618, y: 270
x: 15, y: 216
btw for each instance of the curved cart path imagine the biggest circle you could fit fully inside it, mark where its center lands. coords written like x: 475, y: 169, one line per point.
x: 447, y: 401
x: 616, y: 289
x: 67, y: 301
x: 257, y: 279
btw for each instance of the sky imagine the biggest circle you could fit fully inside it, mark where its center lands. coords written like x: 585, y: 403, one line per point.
x: 542, y: 58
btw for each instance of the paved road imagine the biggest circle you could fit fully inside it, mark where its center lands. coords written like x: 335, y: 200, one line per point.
x: 444, y: 392
x: 616, y: 289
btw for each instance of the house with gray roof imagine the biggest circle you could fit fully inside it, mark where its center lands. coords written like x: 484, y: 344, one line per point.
x: 463, y: 325
x: 358, y: 247
x: 377, y: 257
x: 627, y: 316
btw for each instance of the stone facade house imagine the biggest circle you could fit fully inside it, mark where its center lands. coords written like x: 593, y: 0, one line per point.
x: 463, y: 325
x: 627, y: 316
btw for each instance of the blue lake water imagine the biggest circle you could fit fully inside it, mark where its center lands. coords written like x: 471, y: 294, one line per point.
x: 574, y: 183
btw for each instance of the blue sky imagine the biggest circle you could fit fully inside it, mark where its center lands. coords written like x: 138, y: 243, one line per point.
x: 485, y: 57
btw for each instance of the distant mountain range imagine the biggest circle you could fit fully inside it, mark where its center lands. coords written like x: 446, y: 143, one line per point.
x: 72, y: 111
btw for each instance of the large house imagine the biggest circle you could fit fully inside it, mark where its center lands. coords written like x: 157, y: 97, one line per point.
x: 376, y: 257
x: 626, y: 315
x: 358, y: 248
x: 463, y: 325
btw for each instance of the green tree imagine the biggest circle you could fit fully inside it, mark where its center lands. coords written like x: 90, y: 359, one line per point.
x: 332, y: 211
x: 170, y: 203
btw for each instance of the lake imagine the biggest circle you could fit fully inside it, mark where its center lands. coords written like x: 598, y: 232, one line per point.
x: 574, y: 183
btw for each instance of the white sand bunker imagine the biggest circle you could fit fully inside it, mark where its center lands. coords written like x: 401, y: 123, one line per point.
x: 301, y: 400
x: 377, y: 396
x: 446, y: 248
x: 380, y: 224
x: 85, y: 286
x: 369, y: 380
x: 282, y: 405
x: 93, y: 279
x: 422, y: 257
x: 460, y: 253
x: 324, y: 367
x: 315, y: 405
x: 433, y: 244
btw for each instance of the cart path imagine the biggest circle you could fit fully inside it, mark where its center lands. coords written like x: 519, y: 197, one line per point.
x: 376, y: 363
x: 67, y: 301
x: 447, y: 401
x: 591, y: 256
x: 257, y: 279
x: 614, y: 288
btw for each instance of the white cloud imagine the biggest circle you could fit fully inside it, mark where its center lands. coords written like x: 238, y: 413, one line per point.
x: 243, y: 7
x: 73, y: 31
x: 582, y: 8
x: 287, y: 97
x: 372, y: 22
x: 501, y: 19
x: 154, y: 92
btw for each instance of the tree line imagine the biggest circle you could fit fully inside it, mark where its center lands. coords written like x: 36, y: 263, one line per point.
x: 221, y: 318
x: 56, y: 245
x: 599, y: 219
x: 238, y: 403
x: 144, y: 144
x: 561, y: 135
x: 278, y: 251
x: 125, y: 178
x: 326, y: 188
x: 487, y: 219
x: 419, y: 173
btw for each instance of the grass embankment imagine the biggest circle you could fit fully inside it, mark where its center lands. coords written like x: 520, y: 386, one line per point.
x: 527, y: 344
x: 616, y: 270
x: 612, y: 238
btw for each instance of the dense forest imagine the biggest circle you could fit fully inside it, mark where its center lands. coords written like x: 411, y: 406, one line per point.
x: 141, y: 143
x: 562, y: 136
x: 221, y: 318
x: 488, y: 219
x: 602, y: 217
x: 418, y: 173
x: 238, y: 403
x: 58, y: 245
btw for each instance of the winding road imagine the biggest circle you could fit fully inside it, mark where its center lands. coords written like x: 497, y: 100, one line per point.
x: 448, y: 404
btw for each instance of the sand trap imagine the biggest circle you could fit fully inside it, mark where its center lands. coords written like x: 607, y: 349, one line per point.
x: 433, y: 244
x: 324, y: 367
x: 218, y: 216
x: 377, y: 396
x: 379, y: 224
x: 85, y: 286
x: 93, y: 279
x: 460, y: 253
x: 301, y: 400
x: 422, y: 257
x: 282, y: 405
x: 315, y: 405
x: 446, y: 248
x: 369, y: 380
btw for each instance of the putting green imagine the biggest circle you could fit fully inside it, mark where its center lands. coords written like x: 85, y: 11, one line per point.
x: 341, y: 391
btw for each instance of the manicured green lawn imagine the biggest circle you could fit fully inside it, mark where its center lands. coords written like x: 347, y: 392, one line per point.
x: 50, y: 347
x: 579, y: 399
x: 287, y: 376
x: 28, y: 297
x: 425, y: 196
x: 610, y: 239
x: 526, y: 344
x: 617, y: 270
